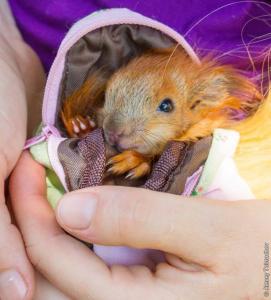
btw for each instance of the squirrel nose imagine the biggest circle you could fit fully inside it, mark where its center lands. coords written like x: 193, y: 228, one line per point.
x: 113, y: 137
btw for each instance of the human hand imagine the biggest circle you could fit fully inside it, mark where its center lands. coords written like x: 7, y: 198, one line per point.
x: 21, y: 76
x: 46, y: 291
x: 214, y: 249
x: 16, y: 273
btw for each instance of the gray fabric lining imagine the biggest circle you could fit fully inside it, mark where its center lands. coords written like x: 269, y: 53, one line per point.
x: 108, y: 48
x: 72, y: 162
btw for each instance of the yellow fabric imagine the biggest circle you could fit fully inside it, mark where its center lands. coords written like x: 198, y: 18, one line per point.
x: 253, y: 155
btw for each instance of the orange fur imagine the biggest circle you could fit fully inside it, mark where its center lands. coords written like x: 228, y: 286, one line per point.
x: 209, y: 119
x: 203, y: 97
x: 83, y: 103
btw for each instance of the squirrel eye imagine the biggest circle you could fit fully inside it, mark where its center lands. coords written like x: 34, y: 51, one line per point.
x: 166, y: 105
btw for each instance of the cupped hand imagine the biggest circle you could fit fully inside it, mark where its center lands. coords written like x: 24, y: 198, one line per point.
x: 21, y: 83
x: 214, y: 249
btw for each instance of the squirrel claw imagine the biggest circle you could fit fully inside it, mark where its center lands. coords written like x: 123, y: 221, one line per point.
x: 129, y: 161
x: 109, y: 163
x: 130, y: 175
x: 110, y: 170
x: 79, y: 126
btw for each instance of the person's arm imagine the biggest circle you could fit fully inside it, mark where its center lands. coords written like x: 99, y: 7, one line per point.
x: 214, y: 249
x: 21, y: 79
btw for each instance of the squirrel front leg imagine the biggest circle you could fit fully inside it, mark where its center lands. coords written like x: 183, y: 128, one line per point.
x: 79, y: 110
x: 131, y: 162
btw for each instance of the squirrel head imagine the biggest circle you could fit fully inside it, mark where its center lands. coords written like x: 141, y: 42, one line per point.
x: 160, y: 95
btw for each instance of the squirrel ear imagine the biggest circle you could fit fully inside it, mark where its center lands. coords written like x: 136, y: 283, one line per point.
x: 236, y: 83
x: 223, y: 87
x: 239, y: 86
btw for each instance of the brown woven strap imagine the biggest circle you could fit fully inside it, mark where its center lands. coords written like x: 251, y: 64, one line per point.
x: 170, y: 159
x: 92, y: 148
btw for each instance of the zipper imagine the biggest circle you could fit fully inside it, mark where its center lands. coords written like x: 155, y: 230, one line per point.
x: 46, y: 132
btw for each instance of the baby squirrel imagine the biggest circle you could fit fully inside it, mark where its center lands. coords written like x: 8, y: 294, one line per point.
x: 157, y: 97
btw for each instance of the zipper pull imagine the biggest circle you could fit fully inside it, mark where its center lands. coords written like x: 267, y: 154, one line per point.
x: 46, y: 131
x: 50, y: 129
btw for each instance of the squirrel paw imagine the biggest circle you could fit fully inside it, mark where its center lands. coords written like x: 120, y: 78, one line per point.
x: 79, y: 126
x: 129, y: 161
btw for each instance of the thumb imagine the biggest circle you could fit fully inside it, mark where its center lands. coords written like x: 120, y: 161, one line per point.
x: 111, y: 215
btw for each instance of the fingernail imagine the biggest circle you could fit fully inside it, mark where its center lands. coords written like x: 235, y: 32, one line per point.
x: 76, y: 210
x: 12, y: 286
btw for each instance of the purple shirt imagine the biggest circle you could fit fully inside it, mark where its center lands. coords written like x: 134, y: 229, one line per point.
x: 44, y: 23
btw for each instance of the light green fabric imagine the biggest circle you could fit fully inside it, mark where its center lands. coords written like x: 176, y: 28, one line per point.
x: 224, y: 144
x: 55, y: 189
